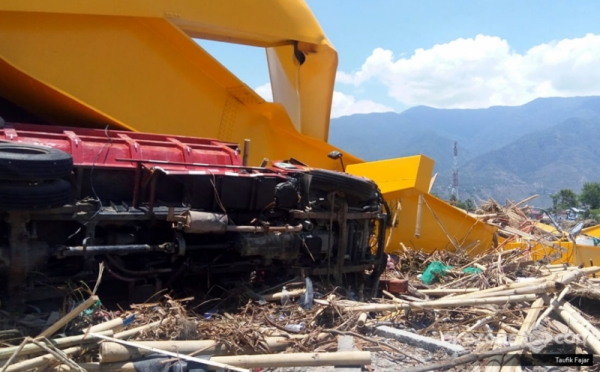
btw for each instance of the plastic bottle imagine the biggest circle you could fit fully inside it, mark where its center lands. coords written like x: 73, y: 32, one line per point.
x: 307, y: 299
x: 285, y: 296
x: 295, y: 327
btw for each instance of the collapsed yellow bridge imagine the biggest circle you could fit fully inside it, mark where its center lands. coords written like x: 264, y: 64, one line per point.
x: 134, y: 65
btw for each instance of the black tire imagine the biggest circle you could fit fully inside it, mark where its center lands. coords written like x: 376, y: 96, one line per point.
x: 326, y: 180
x: 30, y: 195
x: 22, y: 162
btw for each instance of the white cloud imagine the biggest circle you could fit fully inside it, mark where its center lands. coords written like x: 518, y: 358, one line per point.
x: 265, y: 92
x: 485, y: 71
x: 342, y: 104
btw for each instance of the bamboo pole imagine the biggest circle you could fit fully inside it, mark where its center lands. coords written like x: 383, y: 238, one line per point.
x: 495, y: 362
x: 480, y: 323
x: 419, y: 216
x: 415, y: 292
x: 60, y: 343
x: 561, y: 277
x: 439, y: 303
x: 40, y: 361
x: 394, y: 298
x: 507, y: 328
x: 447, y: 291
x: 111, y: 352
x: 552, y: 305
x: 525, y: 201
x: 564, y: 265
x: 277, y: 296
x: 136, y: 330
x: 340, y: 358
x: 175, y: 355
x: 485, y: 292
x: 580, y: 329
x: 575, y: 314
x: 70, y: 316
x: 526, y: 327
x: 547, y: 287
x: 115, y: 324
x: 469, y: 358
x: 362, y: 318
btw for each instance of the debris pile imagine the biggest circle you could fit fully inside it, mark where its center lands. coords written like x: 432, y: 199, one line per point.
x: 501, y: 310
x: 437, y: 311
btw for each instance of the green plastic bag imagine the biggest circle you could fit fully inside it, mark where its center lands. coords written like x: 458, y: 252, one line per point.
x: 435, y: 269
x: 472, y: 270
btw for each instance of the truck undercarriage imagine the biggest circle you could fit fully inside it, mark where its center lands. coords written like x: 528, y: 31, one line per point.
x: 157, y: 209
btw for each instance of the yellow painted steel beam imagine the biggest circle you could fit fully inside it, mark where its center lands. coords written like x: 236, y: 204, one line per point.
x: 71, y: 46
x: 588, y: 255
x: 397, y: 177
x: 132, y: 64
x: 140, y: 74
x: 261, y: 23
x: 438, y: 225
x: 592, y: 231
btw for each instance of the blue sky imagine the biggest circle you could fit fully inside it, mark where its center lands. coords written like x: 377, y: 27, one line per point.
x: 451, y: 54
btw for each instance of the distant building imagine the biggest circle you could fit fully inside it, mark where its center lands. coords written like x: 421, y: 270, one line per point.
x: 535, y: 214
x: 574, y: 213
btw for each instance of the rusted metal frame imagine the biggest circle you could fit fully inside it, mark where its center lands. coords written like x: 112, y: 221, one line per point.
x: 379, y: 265
x: 252, y: 203
x: 111, y: 249
x: 164, y: 162
x: 327, y: 215
x: 352, y: 243
x: 19, y: 252
x: 137, y: 185
x: 78, y: 182
x: 364, y: 239
x: 346, y: 269
x: 103, y: 215
x: 381, y: 238
x: 342, y: 241
x: 330, y: 239
x: 153, y: 181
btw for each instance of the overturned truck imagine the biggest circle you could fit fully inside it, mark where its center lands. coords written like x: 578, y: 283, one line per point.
x: 156, y: 209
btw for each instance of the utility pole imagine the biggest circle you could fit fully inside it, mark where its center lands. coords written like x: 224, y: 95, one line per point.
x: 455, y: 171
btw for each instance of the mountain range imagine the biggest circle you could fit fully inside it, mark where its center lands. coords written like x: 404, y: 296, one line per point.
x: 504, y: 152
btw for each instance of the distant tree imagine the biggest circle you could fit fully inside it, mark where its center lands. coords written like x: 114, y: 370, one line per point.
x: 453, y: 200
x: 590, y: 194
x: 470, y: 205
x: 564, y: 199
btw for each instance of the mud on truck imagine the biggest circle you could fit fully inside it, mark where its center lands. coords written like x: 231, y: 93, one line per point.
x: 156, y: 210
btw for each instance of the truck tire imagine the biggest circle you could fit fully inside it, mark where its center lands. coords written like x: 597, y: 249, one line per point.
x: 23, y: 162
x: 34, y: 195
x: 326, y: 180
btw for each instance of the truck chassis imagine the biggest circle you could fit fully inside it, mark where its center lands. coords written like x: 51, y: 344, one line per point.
x: 155, y: 209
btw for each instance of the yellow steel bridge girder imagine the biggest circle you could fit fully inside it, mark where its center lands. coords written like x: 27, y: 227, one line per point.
x: 439, y: 225
x: 148, y: 43
x: 143, y: 74
x: 131, y: 64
